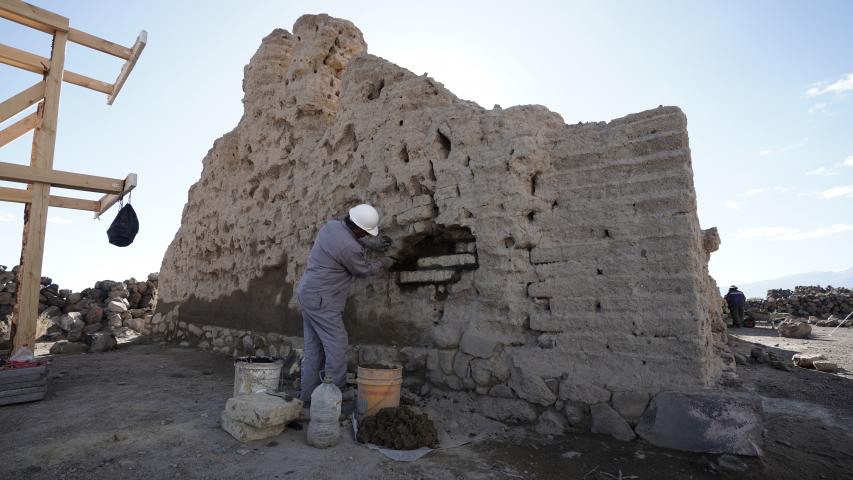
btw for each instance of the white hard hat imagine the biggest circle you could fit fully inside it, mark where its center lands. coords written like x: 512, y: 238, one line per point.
x: 366, y: 218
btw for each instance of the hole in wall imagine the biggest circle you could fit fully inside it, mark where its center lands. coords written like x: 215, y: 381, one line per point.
x: 376, y: 89
x: 509, y: 242
x: 606, y: 233
x: 599, y: 272
x: 442, y: 241
x: 643, y: 253
x: 443, y: 143
x: 597, y: 306
x: 404, y: 154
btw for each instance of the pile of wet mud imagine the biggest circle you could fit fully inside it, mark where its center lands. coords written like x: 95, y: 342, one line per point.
x: 398, y: 428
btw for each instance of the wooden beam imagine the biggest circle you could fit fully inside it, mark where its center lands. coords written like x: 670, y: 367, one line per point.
x: 33, y: 16
x: 88, y: 82
x: 37, y: 64
x: 19, y: 128
x: 16, y: 195
x: 11, y: 172
x: 108, y: 201
x: 75, y: 203
x: 136, y: 51
x: 99, y: 44
x: 19, y: 195
x: 21, y: 101
x: 35, y: 213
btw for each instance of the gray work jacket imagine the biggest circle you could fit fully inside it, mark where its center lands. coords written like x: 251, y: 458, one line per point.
x: 335, y: 258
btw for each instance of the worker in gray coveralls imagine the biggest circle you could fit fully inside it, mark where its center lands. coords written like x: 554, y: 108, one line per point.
x: 736, y: 301
x: 336, y: 257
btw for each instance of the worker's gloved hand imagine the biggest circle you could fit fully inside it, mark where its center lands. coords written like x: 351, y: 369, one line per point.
x: 387, y: 262
x: 378, y: 243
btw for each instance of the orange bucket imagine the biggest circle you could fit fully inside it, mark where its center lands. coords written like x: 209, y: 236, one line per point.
x: 378, y: 388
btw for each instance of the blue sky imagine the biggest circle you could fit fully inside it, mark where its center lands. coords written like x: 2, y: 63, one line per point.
x: 767, y: 87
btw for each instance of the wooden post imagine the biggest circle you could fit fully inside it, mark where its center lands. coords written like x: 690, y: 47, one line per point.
x: 35, y: 213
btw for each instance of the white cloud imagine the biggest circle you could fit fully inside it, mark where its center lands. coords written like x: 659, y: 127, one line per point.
x: 753, y: 192
x: 774, y: 151
x: 776, y: 234
x: 6, y: 217
x: 817, y: 107
x: 835, y: 192
x: 819, y: 232
x: 821, y: 171
x: 762, y: 232
x: 732, y: 204
x: 837, y: 87
x: 848, y: 162
x: 59, y: 220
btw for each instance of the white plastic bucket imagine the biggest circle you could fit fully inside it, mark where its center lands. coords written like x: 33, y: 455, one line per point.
x: 256, y: 374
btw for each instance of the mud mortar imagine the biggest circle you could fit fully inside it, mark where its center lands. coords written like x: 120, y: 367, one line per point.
x: 398, y: 428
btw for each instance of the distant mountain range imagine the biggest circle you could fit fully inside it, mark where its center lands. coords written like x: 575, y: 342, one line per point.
x: 842, y: 278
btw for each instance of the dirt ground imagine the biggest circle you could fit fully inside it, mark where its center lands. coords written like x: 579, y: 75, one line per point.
x: 151, y: 411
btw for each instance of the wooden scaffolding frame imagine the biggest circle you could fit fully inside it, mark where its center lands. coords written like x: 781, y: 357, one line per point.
x: 40, y: 175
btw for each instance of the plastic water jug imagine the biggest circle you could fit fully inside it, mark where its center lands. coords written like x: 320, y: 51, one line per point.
x: 324, y: 429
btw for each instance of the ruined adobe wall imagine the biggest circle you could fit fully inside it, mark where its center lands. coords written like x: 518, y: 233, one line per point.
x: 543, y: 261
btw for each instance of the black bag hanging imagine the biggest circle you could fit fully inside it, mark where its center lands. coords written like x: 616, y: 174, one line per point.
x: 124, y: 228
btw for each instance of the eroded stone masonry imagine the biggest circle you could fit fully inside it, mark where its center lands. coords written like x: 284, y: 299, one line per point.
x: 546, y: 266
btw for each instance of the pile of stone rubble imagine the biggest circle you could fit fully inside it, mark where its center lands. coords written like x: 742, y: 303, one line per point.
x: 823, y: 306
x: 85, y: 321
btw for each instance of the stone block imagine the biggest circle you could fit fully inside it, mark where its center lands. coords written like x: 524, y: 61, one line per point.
x: 446, y: 335
x: 445, y: 361
x: 478, y: 344
x: 707, y: 422
x: 576, y: 413
x: 507, y: 410
x: 101, y: 342
x: 546, y: 322
x: 70, y: 321
x: 501, y: 391
x: 825, y: 366
x: 806, y: 360
x: 531, y: 387
x: 261, y: 410
x: 630, y: 405
x: 248, y: 433
x: 416, y: 214
x: 63, y: 347
x: 551, y: 423
x: 465, y: 247
x: 481, y: 371
x: 427, y: 276
x: 118, y: 305
x: 605, y: 420
x: 460, y: 260
x: 584, y: 393
x: 461, y: 363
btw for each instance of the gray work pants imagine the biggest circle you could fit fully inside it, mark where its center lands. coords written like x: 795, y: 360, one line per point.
x: 325, y: 349
x: 737, y: 316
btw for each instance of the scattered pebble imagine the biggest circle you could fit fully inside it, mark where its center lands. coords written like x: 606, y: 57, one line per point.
x: 242, y: 451
x: 570, y: 454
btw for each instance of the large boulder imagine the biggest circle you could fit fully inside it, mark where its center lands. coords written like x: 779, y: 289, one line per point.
x: 261, y: 410
x: 806, y: 360
x: 101, y: 342
x: 794, y: 329
x: 71, y: 321
x: 605, y: 420
x: 63, y: 347
x: 708, y: 422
